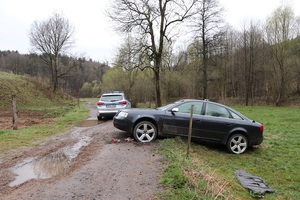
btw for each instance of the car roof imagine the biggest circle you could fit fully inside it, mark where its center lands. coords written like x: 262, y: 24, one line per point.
x: 204, y: 100
x: 187, y: 100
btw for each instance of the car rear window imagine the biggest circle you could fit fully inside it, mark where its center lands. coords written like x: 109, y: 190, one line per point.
x: 111, y: 98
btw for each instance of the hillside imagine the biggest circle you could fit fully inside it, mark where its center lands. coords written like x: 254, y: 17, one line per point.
x: 36, y: 103
x: 29, y: 92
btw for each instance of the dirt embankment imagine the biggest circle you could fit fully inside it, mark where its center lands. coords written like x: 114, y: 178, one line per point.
x: 102, y: 169
x: 25, y: 118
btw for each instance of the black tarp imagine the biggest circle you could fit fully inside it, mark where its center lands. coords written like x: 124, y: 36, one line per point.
x: 256, y: 185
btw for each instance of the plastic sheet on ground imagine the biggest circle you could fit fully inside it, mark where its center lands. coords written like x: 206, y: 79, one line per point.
x: 256, y: 185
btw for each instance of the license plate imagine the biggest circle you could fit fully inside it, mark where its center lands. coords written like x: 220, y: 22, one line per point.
x: 110, y: 106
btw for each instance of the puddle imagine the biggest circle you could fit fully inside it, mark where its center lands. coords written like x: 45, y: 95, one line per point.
x: 48, y: 166
x: 88, y: 123
x: 73, y: 151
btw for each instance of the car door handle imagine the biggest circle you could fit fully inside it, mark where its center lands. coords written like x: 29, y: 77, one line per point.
x: 229, y: 124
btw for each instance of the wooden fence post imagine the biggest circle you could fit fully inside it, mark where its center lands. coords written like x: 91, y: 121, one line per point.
x: 190, y: 132
x: 15, y: 112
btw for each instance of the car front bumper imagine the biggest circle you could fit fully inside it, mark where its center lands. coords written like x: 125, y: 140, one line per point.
x: 122, y: 124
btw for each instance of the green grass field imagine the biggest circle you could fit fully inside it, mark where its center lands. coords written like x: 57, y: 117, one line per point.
x: 209, y: 171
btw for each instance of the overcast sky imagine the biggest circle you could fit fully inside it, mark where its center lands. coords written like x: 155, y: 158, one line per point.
x: 94, y: 34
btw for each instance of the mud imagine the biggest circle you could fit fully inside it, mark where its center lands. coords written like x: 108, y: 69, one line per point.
x: 89, y: 122
x: 47, y: 166
x: 25, y: 118
x: 91, y: 161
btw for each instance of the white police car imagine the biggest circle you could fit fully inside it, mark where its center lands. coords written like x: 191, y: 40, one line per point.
x: 110, y: 103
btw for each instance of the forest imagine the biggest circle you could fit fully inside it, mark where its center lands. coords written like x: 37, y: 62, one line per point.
x: 83, y: 72
x: 256, y: 64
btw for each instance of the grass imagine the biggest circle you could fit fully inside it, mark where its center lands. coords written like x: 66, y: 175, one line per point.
x: 209, y: 171
x: 67, y: 116
x: 26, y: 91
x: 146, y: 105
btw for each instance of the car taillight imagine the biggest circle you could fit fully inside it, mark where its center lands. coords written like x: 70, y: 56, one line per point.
x: 100, y: 103
x: 123, y: 102
x: 261, y: 128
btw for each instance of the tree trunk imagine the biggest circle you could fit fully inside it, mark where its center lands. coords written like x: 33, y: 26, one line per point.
x: 281, y: 95
x: 204, y: 78
x: 157, y: 87
x: 205, y: 59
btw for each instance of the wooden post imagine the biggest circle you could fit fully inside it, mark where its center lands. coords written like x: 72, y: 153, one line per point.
x: 190, y: 132
x: 15, y: 112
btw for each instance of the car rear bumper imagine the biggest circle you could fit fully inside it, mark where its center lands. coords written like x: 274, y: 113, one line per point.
x: 103, y: 111
x: 107, y: 112
x: 256, y: 140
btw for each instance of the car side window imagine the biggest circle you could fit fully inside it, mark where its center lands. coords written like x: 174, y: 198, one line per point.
x: 186, y: 107
x: 235, y: 116
x: 216, y: 111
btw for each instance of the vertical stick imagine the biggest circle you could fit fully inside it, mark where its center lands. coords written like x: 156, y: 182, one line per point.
x: 190, y: 132
x: 15, y: 112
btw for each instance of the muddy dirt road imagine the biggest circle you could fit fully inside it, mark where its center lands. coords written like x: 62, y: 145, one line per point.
x: 83, y: 163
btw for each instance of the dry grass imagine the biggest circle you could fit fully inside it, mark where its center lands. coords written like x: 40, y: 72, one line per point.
x: 215, y: 186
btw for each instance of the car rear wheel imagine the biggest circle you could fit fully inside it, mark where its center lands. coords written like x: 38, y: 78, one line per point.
x: 99, y: 117
x: 237, y: 144
x: 144, y: 131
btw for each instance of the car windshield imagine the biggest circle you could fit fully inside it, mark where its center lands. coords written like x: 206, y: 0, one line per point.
x: 166, y: 107
x: 111, y: 98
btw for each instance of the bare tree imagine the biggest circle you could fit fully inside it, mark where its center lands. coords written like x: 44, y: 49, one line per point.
x: 153, y: 23
x: 125, y: 60
x: 207, y: 27
x: 252, y: 40
x: 227, y: 79
x: 280, y: 29
x: 51, y: 39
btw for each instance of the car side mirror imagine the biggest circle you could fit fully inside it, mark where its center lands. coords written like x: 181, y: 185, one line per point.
x: 174, y: 110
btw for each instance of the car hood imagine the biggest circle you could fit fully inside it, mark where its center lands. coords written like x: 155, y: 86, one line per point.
x: 141, y: 110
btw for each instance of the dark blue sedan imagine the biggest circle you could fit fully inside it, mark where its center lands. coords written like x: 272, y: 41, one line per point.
x: 212, y: 122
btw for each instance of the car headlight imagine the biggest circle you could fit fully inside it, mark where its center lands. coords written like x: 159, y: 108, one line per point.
x: 123, y: 114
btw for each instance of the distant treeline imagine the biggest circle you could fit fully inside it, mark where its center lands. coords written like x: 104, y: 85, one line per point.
x: 85, y: 71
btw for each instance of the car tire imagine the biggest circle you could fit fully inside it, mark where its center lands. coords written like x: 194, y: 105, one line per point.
x: 99, y: 117
x: 145, y: 131
x: 237, y: 144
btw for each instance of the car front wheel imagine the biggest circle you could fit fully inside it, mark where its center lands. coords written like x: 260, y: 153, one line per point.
x: 237, y: 144
x: 144, y: 131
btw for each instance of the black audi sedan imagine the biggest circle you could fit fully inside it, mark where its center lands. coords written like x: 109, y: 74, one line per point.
x: 212, y: 122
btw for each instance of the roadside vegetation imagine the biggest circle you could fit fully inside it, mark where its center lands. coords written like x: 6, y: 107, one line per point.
x: 209, y: 171
x: 30, y: 136
x: 33, y: 96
